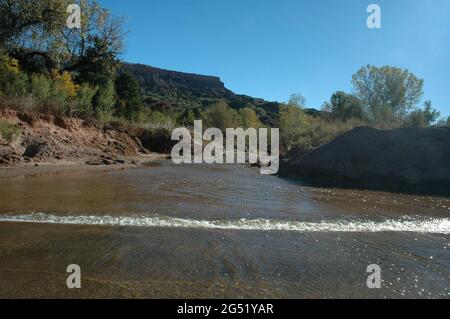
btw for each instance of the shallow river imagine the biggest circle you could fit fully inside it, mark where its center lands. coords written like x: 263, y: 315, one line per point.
x: 216, y: 231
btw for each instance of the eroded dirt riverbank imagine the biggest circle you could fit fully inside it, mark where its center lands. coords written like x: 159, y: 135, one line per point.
x: 64, y: 143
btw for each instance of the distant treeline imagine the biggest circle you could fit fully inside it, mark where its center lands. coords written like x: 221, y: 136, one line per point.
x: 383, y: 97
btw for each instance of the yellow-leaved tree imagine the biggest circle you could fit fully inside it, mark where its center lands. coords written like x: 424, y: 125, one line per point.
x: 65, y: 82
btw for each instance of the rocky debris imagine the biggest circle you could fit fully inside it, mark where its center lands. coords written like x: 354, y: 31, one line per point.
x: 139, y: 144
x: 62, y: 123
x: 413, y: 160
x: 107, y: 160
x: 10, y: 160
x: 27, y: 118
x: 35, y: 149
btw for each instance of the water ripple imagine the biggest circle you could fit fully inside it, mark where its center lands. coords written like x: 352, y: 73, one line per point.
x: 406, y: 224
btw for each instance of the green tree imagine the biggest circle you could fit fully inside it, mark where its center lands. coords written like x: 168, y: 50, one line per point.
x: 345, y: 106
x: 129, y: 98
x: 97, y: 43
x: 27, y: 20
x: 83, y: 102
x: 387, y: 93
x: 423, y: 117
x: 431, y: 114
x: 297, y: 100
x: 97, y: 65
x: 30, y: 29
x: 221, y: 116
x: 189, y: 115
x: 249, y: 119
x: 104, y: 101
x: 40, y: 87
x: 13, y: 82
x: 293, y: 125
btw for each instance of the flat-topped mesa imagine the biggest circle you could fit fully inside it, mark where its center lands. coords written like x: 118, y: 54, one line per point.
x: 160, y: 80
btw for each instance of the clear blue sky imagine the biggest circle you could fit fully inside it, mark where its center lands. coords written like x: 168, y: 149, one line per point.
x: 273, y: 48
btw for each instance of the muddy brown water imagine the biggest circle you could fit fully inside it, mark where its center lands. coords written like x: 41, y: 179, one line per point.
x: 166, y: 231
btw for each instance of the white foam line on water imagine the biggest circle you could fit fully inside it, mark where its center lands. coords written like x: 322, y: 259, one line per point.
x: 407, y: 224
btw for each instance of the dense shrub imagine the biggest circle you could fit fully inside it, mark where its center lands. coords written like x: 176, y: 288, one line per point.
x: 129, y: 98
x: 83, y: 101
x: 104, y: 102
x: 13, y: 82
x: 422, y: 117
x: 292, y: 124
x: 343, y: 106
x: 50, y: 94
x: 220, y: 116
x: 300, y: 130
x: 249, y: 119
x: 40, y: 87
x: 156, y: 120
